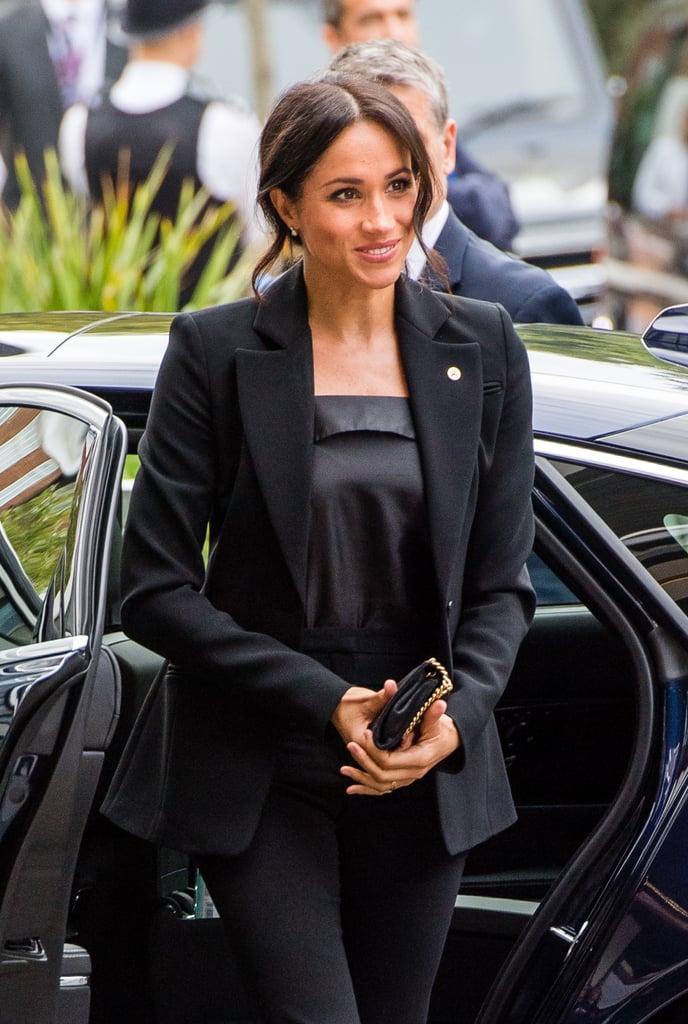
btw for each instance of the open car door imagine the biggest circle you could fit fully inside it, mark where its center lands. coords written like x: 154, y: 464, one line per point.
x: 61, y: 456
x: 608, y: 941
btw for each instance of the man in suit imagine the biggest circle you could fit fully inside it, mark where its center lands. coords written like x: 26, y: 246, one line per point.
x: 474, y: 267
x: 479, y: 198
x: 52, y: 53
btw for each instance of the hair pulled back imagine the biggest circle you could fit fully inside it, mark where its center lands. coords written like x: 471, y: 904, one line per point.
x: 303, y: 124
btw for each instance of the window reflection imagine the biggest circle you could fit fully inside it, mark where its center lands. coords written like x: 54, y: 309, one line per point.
x: 41, y: 453
x: 649, y: 516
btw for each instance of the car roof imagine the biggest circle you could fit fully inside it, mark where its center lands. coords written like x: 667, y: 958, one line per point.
x: 606, y: 387
x: 589, y: 385
x: 106, y: 349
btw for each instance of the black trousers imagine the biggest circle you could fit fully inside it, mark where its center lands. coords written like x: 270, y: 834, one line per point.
x: 339, y: 910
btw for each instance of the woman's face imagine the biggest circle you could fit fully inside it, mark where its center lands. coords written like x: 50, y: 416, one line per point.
x: 355, y: 213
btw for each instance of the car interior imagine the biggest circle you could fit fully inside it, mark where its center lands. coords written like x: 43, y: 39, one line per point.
x: 142, y: 940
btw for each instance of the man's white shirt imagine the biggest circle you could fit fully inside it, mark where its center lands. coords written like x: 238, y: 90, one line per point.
x: 661, y: 183
x: 432, y: 229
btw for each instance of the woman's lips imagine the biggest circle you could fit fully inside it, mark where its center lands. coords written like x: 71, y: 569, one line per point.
x: 378, y: 252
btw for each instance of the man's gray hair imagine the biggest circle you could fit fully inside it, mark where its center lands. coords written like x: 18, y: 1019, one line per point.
x: 332, y: 12
x: 391, y: 63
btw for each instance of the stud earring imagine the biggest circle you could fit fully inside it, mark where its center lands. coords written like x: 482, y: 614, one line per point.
x: 294, y: 232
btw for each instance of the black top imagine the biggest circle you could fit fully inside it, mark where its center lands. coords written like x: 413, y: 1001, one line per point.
x: 369, y: 565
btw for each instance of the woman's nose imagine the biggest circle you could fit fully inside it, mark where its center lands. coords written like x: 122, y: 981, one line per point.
x: 378, y: 214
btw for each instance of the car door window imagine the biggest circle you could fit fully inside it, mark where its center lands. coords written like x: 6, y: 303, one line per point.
x: 648, y: 513
x: 41, y: 454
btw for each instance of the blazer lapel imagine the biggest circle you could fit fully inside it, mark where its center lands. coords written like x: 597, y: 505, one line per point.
x: 445, y: 385
x: 275, y: 387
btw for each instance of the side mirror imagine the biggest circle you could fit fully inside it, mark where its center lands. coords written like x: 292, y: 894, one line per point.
x: 667, y: 336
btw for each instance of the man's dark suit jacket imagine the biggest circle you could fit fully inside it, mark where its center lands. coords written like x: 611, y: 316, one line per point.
x: 229, y: 442
x: 478, y: 270
x: 481, y: 200
x: 30, y: 105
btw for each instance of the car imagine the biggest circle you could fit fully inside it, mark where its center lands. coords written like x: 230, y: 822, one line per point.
x: 647, y: 265
x: 577, y: 912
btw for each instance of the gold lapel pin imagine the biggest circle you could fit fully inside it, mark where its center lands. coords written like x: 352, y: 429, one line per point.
x: 454, y: 373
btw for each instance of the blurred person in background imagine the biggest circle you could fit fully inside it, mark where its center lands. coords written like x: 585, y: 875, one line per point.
x: 474, y: 267
x: 660, y: 190
x: 155, y: 103
x: 52, y: 53
x: 479, y: 198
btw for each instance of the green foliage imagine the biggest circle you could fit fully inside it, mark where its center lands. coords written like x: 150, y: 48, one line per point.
x: 57, y: 251
x: 37, y: 529
x: 617, y: 23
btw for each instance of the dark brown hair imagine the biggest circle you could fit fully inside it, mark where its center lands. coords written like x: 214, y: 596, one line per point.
x: 304, y: 123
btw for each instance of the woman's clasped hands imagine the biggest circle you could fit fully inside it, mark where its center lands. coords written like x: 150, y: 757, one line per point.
x: 377, y: 772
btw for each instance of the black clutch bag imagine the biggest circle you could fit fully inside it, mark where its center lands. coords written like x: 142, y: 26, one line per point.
x: 420, y: 688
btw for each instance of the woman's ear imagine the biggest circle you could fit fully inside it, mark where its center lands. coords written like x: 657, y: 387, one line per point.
x: 284, y: 207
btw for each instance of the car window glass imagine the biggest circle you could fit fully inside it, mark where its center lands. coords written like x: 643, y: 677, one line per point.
x: 650, y: 516
x: 41, y: 453
x: 549, y: 588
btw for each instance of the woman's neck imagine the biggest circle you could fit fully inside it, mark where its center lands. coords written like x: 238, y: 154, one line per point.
x: 358, y: 317
x: 355, y: 348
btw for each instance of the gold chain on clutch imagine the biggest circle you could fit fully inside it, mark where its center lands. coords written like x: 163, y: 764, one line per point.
x: 445, y: 686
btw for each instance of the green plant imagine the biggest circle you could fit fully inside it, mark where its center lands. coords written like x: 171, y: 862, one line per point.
x: 58, y: 251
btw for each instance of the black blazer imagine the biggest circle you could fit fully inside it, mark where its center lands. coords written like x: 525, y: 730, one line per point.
x: 30, y: 104
x: 478, y: 270
x: 229, y: 441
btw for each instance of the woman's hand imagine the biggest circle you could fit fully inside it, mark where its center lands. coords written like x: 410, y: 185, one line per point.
x: 357, y: 709
x: 376, y: 771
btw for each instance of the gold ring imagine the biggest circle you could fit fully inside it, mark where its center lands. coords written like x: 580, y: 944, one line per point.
x: 392, y: 787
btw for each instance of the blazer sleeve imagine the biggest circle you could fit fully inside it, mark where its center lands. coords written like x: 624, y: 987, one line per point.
x: 164, y: 607
x: 497, y: 601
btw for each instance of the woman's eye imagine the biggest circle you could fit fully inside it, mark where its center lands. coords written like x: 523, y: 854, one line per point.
x: 345, y: 194
x: 400, y: 185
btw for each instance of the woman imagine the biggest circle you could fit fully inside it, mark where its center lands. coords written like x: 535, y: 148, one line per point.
x: 360, y: 450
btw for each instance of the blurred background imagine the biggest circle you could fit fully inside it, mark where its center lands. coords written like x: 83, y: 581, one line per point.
x: 560, y: 98
x: 529, y: 89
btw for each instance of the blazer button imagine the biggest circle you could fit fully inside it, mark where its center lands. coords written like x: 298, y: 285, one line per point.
x: 449, y: 605
x: 454, y: 373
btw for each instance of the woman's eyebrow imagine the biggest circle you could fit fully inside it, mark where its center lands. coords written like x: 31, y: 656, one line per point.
x: 357, y: 181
